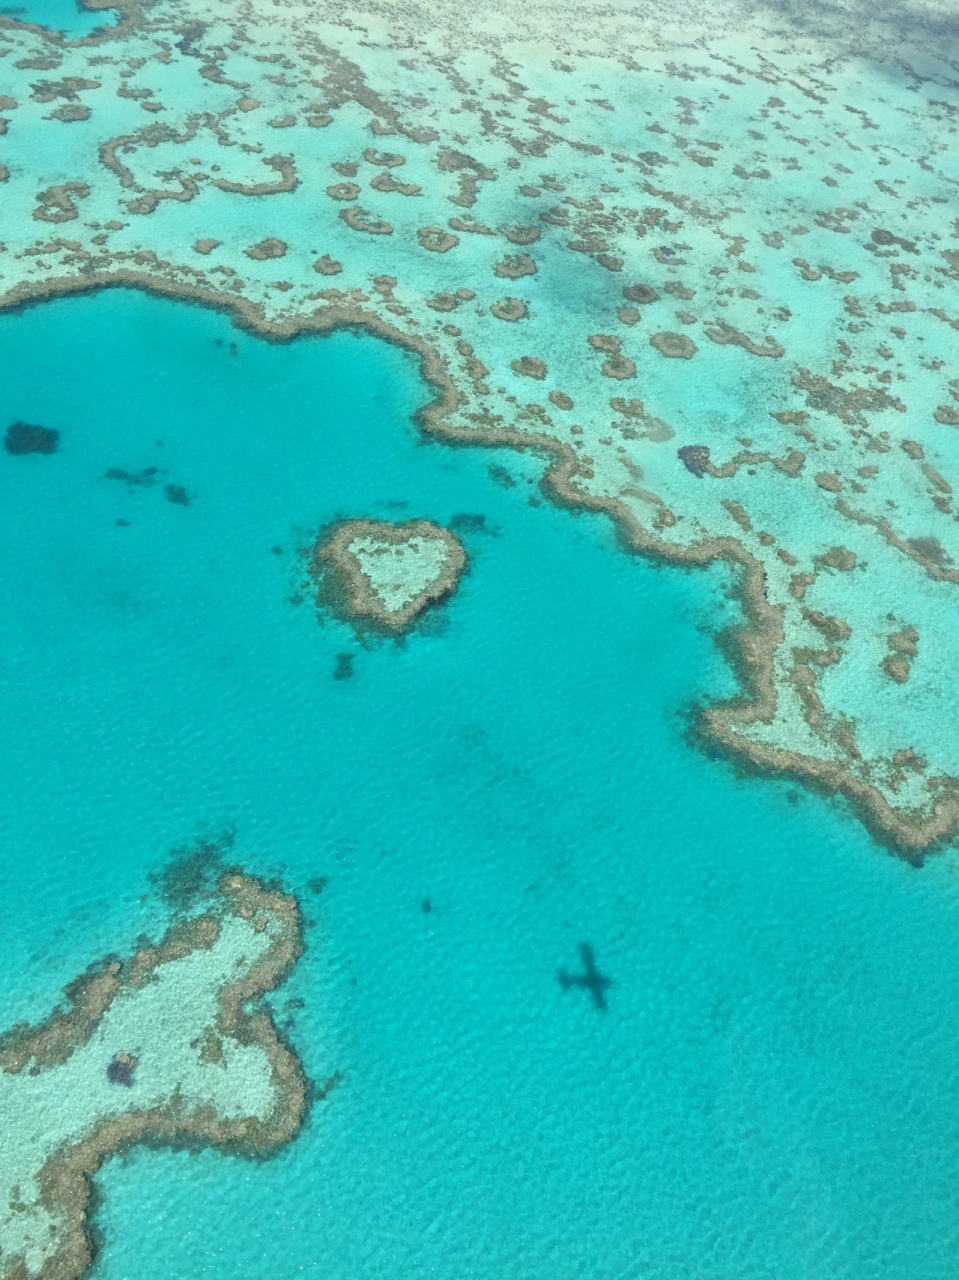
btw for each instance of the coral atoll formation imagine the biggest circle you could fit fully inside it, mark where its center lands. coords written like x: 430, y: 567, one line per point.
x: 544, y: 201
x: 385, y: 575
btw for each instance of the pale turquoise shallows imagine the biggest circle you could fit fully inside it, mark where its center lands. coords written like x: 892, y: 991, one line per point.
x: 774, y: 1088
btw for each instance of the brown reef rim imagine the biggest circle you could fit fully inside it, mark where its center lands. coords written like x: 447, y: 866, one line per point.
x: 906, y: 833
x: 354, y: 592
x: 66, y: 1177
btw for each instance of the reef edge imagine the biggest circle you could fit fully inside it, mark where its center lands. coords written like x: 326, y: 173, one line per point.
x: 908, y: 832
x: 66, y: 1177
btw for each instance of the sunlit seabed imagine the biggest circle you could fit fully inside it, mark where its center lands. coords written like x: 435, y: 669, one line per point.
x: 774, y: 1090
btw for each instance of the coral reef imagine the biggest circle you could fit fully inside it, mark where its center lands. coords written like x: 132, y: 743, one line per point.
x: 161, y: 1047
x: 386, y: 574
x: 788, y: 185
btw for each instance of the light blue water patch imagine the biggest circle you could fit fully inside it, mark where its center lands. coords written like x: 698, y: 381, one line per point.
x: 773, y: 1090
x: 70, y: 17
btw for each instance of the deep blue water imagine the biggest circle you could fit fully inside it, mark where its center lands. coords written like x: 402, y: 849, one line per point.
x: 774, y: 1089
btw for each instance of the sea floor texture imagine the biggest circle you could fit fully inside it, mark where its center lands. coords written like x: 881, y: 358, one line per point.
x: 772, y: 1090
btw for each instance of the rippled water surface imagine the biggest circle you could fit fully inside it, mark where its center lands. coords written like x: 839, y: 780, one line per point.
x: 70, y: 17
x: 773, y: 1089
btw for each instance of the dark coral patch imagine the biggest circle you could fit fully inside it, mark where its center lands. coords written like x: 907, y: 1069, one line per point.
x: 640, y: 293
x: 28, y: 437
x: 121, y: 1068
x: 930, y: 549
x: 695, y: 458
x: 468, y: 522
x: 140, y: 479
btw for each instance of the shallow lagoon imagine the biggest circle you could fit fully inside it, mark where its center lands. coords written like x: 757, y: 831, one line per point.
x: 774, y: 1089
x: 69, y: 17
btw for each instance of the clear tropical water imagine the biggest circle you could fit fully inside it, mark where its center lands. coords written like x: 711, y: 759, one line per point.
x: 69, y: 17
x: 774, y: 1088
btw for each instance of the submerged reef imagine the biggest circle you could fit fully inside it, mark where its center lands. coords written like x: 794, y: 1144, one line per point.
x: 161, y: 1047
x: 30, y: 437
x: 373, y: 572
x: 707, y: 268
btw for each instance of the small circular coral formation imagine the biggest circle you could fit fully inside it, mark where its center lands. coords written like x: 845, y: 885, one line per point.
x: 343, y: 191
x: 529, y: 367
x: 436, y: 239
x: 28, y: 437
x: 675, y: 345
x: 640, y: 293
x: 271, y: 247
x: 509, y: 309
x: 385, y: 575
x: 695, y: 458
x: 327, y: 266
x: 514, y: 266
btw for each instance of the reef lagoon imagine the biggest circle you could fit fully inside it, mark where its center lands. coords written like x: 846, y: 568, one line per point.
x: 69, y: 18
x: 773, y: 1087
x: 477, y: 665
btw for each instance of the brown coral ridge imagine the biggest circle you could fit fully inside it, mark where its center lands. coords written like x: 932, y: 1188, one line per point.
x: 359, y: 220
x: 59, y: 203
x: 725, y: 334
x: 65, y: 1179
x: 287, y: 181
x: 344, y: 586
x: 907, y: 833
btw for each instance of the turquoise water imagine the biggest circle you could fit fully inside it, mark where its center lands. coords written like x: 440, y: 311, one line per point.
x: 774, y: 1088
x: 67, y: 16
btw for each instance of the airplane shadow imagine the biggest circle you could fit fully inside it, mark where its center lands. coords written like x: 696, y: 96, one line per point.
x: 590, y: 979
